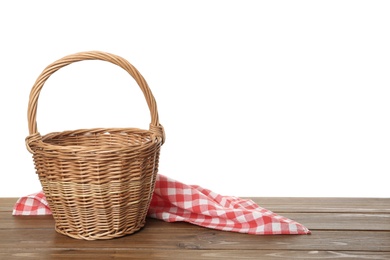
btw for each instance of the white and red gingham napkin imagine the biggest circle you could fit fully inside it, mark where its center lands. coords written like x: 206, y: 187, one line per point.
x: 174, y: 201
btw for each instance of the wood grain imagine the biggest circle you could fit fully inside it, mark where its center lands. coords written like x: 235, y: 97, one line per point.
x: 358, y: 230
x: 330, y: 221
x: 204, y: 240
x: 81, y: 254
x: 326, y: 205
x: 300, y: 205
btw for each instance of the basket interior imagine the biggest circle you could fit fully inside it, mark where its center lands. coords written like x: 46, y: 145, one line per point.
x: 95, y: 138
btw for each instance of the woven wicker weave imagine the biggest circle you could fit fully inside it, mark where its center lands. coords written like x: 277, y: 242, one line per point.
x: 98, y: 182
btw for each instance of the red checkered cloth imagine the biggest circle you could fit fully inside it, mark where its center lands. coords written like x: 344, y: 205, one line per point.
x: 174, y: 201
x: 33, y: 204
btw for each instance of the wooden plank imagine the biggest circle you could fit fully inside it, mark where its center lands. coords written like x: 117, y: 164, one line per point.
x: 7, y: 221
x: 7, y: 204
x: 301, y: 205
x: 80, y: 254
x: 341, y: 228
x: 313, y: 221
x: 188, y: 239
x: 342, y: 221
x: 328, y: 205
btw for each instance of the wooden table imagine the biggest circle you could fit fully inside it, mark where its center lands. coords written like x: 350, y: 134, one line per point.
x: 342, y: 228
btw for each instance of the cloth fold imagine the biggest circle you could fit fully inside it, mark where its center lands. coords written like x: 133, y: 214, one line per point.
x: 174, y: 201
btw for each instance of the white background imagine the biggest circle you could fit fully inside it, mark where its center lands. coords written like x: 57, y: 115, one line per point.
x: 258, y: 98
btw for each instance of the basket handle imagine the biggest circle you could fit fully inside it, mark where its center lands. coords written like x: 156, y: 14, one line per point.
x: 155, y: 126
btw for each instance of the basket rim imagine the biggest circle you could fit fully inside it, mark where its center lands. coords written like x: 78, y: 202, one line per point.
x: 40, y: 142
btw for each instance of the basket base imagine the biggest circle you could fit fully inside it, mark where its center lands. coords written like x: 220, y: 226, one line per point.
x: 101, y: 235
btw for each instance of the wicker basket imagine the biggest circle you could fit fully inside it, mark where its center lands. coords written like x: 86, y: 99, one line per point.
x: 98, y: 182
